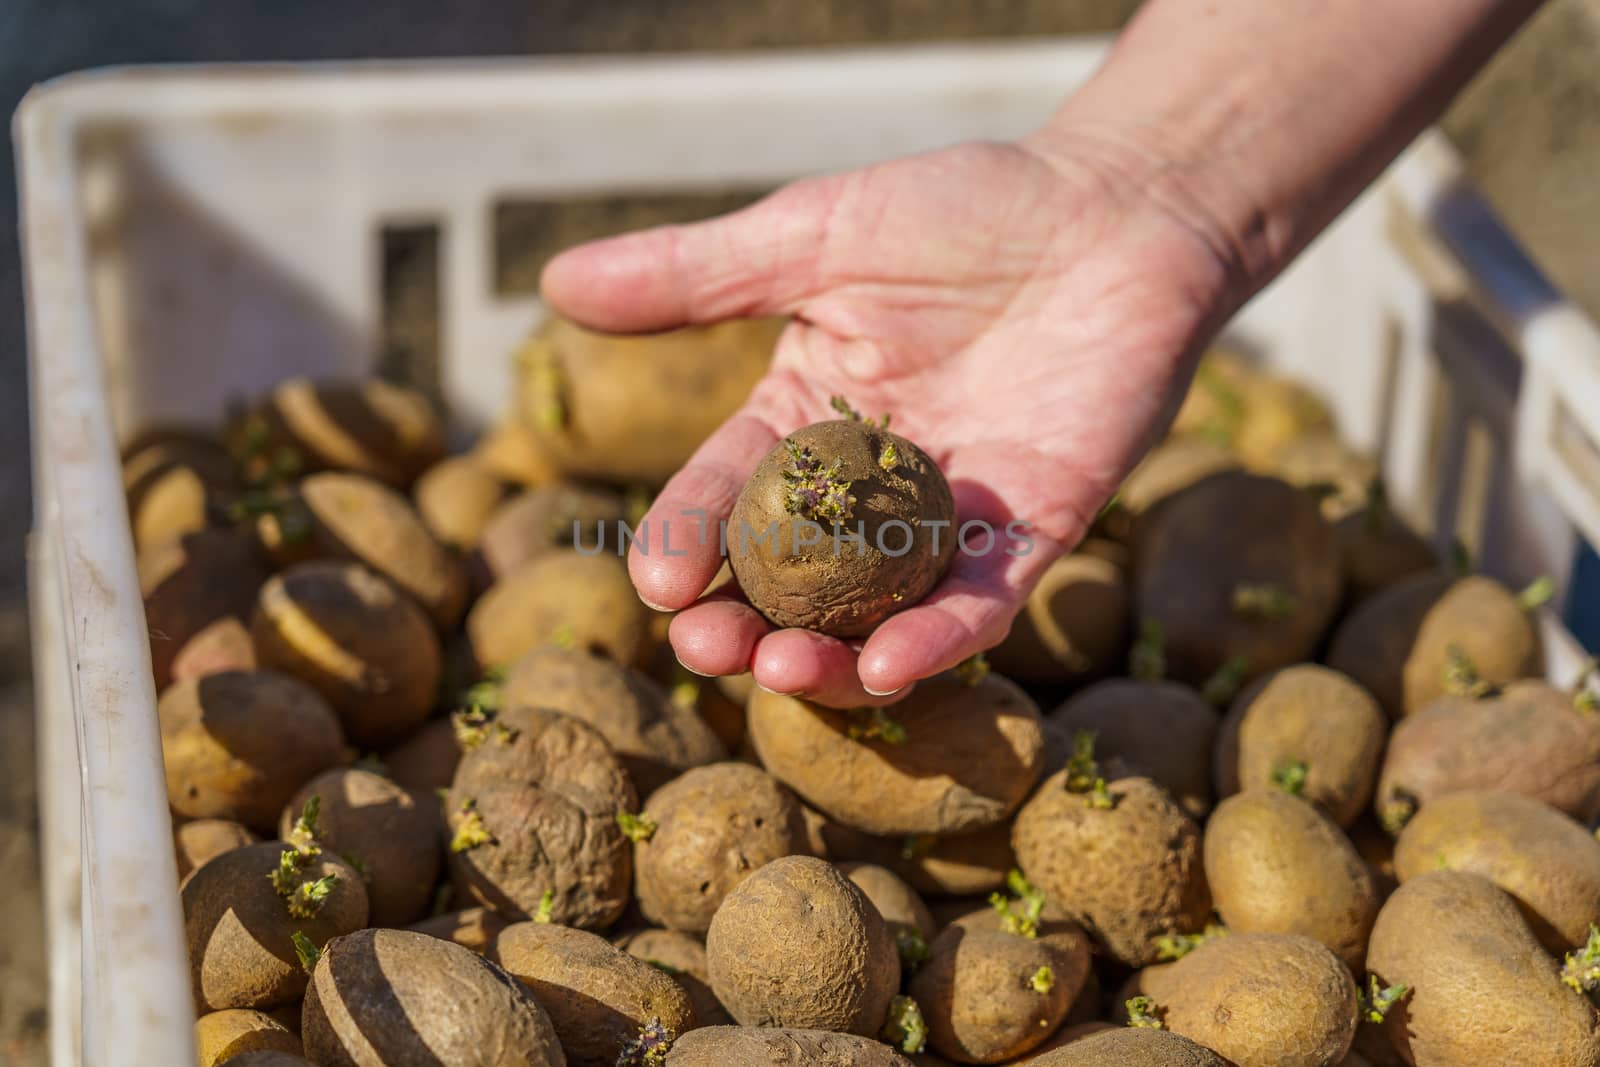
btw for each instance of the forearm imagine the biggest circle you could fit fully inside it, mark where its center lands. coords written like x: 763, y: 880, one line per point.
x: 1259, y: 120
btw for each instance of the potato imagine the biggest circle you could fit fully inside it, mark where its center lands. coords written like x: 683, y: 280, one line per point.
x: 237, y: 745
x: 193, y: 582
x: 1236, y: 568
x: 1397, y: 643
x: 1529, y: 740
x: 551, y: 516
x: 1377, y: 549
x: 950, y: 757
x: 1323, y: 462
x: 748, y: 1046
x: 599, y: 997
x: 1130, y: 1047
x: 477, y: 929
x: 270, y: 1058
x: 384, y: 431
x: 355, y: 638
x: 206, y: 839
x: 1160, y: 729
x: 1310, y: 723
x: 560, y: 597
x: 177, y: 487
x: 513, y: 454
x: 896, y: 901
x: 1376, y: 848
x: 1278, y: 412
x: 426, y: 761
x: 533, y: 811
x: 1073, y: 627
x: 221, y: 1036
x: 683, y: 956
x: 1129, y: 874
x: 1171, y: 466
x: 712, y: 827
x: 796, y: 944
x: 400, y: 997
x: 224, y: 645
x: 1548, y: 863
x: 455, y: 497
x: 1260, y: 1000
x: 382, y: 831
x: 988, y: 995
x: 1214, y: 407
x: 1480, y: 989
x: 239, y: 929
x: 632, y: 409
x: 1277, y: 866
x: 655, y: 738
x: 948, y: 865
x: 700, y: 695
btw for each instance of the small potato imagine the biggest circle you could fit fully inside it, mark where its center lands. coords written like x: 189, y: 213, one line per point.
x: 426, y: 761
x: 355, y: 638
x: 896, y: 901
x: 384, y: 431
x: 656, y: 738
x: 400, y: 997
x: 797, y: 945
x: 599, y: 997
x: 1278, y: 866
x: 473, y: 928
x: 550, y: 516
x: 1308, y: 719
x: 967, y: 757
x: 176, y: 487
x: 988, y: 996
x: 1261, y: 1000
x: 1129, y: 874
x: 221, y: 1036
x: 1074, y: 626
x: 1130, y: 1047
x: 193, y: 582
x: 1480, y: 989
x: 565, y: 598
x: 237, y: 745
x: 713, y: 827
x: 749, y: 1046
x: 948, y: 865
x: 683, y: 956
x: 1398, y: 642
x: 239, y: 929
x: 205, y: 839
x: 455, y: 498
x: 1548, y: 863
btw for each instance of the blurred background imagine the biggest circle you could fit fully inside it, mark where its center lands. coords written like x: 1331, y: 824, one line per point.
x: 1529, y: 127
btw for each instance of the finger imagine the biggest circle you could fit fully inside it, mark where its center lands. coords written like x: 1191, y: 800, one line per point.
x: 717, y: 636
x: 819, y: 668
x: 679, y: 548
x: 757, y: 261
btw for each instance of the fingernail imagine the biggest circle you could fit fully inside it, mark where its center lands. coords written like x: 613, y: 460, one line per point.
x: 688, y: 668
x: 652, y: 605
x: 885, y: 693
x: 778, y: 692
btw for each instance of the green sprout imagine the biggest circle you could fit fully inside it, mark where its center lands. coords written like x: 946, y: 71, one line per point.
x: 1538, y: 593
x: 1223, y: 686
x: 1375, y: 1001
x: 303, y: 834
x: 1460, y: 675
x: 1020, y: 916
x: 1144, y: 1013
x: 1460, y: 557
x: 973, y: 670
x: 1394, y: 813
x: 874, y: 724
x: 306, y: 901
x: 564, y: 636
x: 1263, y: 601
x: 547, y: 907
x: 1581, y: 970
x: 1083, y: 772
x: 649, y: 1047
x: 372, y: 763
x: 1110, y: 507
x: 285, y: 878
x: 1147, y: 660
x: 1043, y: 980
x: 1376, y: 517
x: 305, y: 950
x: 1176, y: 946
x: 842, y: 406
x: 548, y: 384
x: 888, y: 459
x: 813, y: 491
x: 471, y: 832
x: 915, y: 846
x: 685, y: 694
x: 1584, y: 697
x: 359, y: 865
x: 905, y: 1027
x: 636, y: 828
x: 1290, y: 776
x: 913, y: 948
x: 1100, y: 798
x: 663, y: 966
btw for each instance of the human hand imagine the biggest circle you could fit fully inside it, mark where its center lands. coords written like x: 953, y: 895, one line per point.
x: 1028, y: 313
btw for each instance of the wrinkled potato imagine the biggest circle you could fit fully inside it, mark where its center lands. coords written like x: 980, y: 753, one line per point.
x: 355, y: 638
x: 400, y: 997
x: 1310, y: 722
x: 565, y: 598
x: 1074, y: 626
x: 426, y: 761
x: 237, y: 745
x: 843, y: 978
x: 1398, y: 642
x: 683, y: 956
x: 238, y: 927
x: 1494, y: 996
x: 385, y: 431
x: 176, y: 487
x: 711, y: 828
x: 749, y: 1046
x: 472, y: 928
x: 1276, y: 865
x: 551, y: 516
x: 205, y: 839
x: 968, y: 756
x: 1130, y: 1047
x: 1128, y: 874
x: 947, y: 865
x: 1547, y: 862
x: 192, y: 583
x: 222, y: 1036
x: 599, y: 997
x: 455, y: 498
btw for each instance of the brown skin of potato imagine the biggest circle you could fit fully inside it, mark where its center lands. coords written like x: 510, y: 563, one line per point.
x: 237, y: 745
x: 355, y: 638
x: 426, y: 761
x: 796, y: 944
x: 1061, y: 1039
x: 1529, y: 740
x: 1228, y: 530
x: 387, y: 432
x: 685, y: 954
x: 560, y: 597
x: 1482, y: 989
x: 543, y: 518
x: 380, y: 829
x: 1170, y: 467
x: 550, y: 798
x: 512, y: 453
x: 632, y: 409
x: 598, y: 996
x: 830, y: 586
x: 270, y: 1058
x: 1547, y: 862
x: 238, y: 928
x: 976, y: 998
x: 1276, y: 865
x: 206, y: 839
x: 1378, y: 550
x: 472, y: 928
x: 748, y: 1046
x: 1376, y: 849
x: 220, y: 1036
x: 1130, y: 1047
x: 970, y: 756
x: 896, y: 901
x: 382, y: 997
x: 1260, y: 1000
x: 455, y: 497
x: 655, y: 738
x: 1074, y: 626
x: 1396, y: 642
x: 701, y: 695
x: 714, y: 826
x: 176, y: 487
x: 1163, y: 730
x: 953, y: 865
x: 192, y: 582
x: 1307, y: 714
x: 225, y: 645
x: 1127, y: 875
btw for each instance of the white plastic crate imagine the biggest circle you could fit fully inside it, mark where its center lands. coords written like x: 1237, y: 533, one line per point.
x: 193, y: 234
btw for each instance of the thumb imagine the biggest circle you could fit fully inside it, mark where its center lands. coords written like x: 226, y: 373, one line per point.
x: 760, y: 260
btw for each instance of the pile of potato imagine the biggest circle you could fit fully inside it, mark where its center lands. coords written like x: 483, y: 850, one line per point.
x: 442, y: 795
